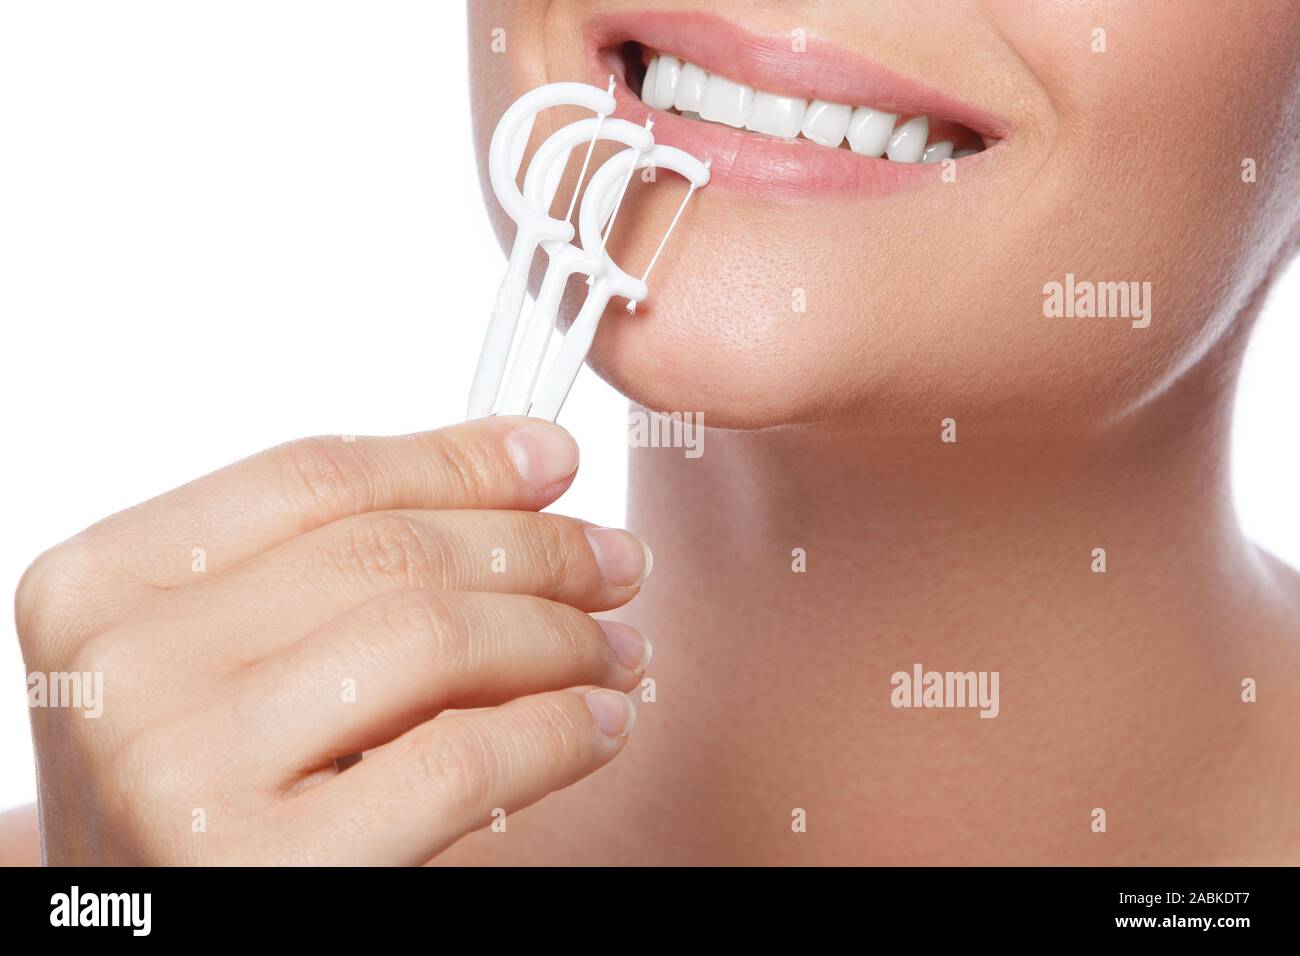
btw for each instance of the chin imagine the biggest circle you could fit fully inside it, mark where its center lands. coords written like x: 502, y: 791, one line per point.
x: 664, y: 373
x: 743, y: 360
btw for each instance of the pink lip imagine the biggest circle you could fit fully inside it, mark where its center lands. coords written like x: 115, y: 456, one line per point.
x: 765, y: 166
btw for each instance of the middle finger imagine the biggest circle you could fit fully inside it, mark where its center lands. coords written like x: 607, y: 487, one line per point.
x: 282, y: 594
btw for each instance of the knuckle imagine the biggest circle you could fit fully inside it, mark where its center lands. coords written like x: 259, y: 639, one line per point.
x: 51, y: 589
x: 558, y: 732
x: 571, y: 632
x: 324, y: 472
x: 104, y: 653
x: 143, y: 775
x: 429, y: 619
x: 554, y: 544
x: 151, y: 783
x: 390, y: 545
x: 457, y: 767
x: 469, y: 466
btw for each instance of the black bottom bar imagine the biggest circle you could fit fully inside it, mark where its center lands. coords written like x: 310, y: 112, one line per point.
x: 215, y: 906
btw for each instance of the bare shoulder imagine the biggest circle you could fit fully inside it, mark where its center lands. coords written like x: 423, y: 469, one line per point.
x: 20, y: 837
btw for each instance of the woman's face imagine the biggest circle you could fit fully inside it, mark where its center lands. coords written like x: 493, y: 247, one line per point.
x: 1133, y: 142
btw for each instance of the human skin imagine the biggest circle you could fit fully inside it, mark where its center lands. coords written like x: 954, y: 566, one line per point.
x: 1120, y: 690
x: 397, y: 598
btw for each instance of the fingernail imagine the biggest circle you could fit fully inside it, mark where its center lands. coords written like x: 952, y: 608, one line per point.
x: 624, y: 559
x: 630, y: 649
x: 613, y: 711
x: 543, y: 454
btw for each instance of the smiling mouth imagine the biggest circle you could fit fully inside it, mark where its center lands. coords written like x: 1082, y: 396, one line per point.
x: 670, y: 83
x: 778, y: 124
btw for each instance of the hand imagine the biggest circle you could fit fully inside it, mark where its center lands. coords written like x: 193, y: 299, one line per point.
x: 256, y: 628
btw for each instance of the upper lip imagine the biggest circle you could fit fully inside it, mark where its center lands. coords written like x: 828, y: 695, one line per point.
x: 820, y: 71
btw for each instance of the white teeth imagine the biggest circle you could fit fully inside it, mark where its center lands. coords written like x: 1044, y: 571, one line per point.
x: 651, y: 80
x: 937, y: 153
x: 726, y: 101
x: 666, y: 78
x: 690, y: 88
x: 673, y: 84
x: 907, y: 145
x: 777, y: 115
x: 869, y: 131
x: 826, y: 123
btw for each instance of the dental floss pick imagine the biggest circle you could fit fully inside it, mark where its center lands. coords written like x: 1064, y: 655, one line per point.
x: 645, y: 276
x: 565, y: 259
x: 530, y: 209
x: 611, y: 281
x: 505, y: 156
x: 586, y: 160
x: 609, y: 227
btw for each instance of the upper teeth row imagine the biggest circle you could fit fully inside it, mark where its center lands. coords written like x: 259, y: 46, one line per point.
x: 671, y: 83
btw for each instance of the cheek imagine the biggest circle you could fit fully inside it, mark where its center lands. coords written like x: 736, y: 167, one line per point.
x: 1143, y: 172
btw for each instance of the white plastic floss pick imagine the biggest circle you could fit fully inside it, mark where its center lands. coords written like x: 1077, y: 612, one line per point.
x: 517, y: 392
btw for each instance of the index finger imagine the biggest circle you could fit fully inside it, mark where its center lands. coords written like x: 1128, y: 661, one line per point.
x: 231, y: 515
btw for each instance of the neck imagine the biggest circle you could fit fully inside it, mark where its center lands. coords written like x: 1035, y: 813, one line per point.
x: 1101, y: 576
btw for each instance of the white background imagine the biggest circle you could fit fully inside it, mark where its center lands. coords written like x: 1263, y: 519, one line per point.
x: 225, y: 225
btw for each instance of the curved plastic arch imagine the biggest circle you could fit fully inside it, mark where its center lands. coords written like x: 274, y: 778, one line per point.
x: 505, y: 156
